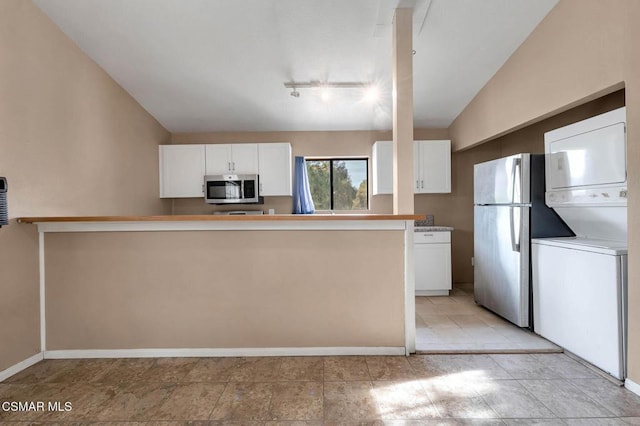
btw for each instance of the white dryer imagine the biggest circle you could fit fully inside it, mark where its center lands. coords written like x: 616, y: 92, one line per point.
x: 579, y: 292
x: 580, y: 283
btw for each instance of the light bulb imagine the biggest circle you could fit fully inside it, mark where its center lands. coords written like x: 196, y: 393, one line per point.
x: 372, y: 94
x: 325, y: 95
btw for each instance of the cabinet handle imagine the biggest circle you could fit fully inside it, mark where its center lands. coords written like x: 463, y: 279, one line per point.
x: 422, y: 182
x: 417, y: 186
x: 234, y: 166
x: 229, y: 165
x: 203, y: 188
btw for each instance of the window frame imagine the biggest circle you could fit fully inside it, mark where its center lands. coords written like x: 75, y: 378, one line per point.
x: 331, y: 160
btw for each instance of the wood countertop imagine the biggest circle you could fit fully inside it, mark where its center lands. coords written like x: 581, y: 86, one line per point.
x: 222, y: 218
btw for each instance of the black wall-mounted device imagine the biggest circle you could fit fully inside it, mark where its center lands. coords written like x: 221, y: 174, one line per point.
x: 4, y: 216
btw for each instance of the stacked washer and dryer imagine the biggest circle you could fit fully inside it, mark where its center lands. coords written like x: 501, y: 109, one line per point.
x: 580, y: 283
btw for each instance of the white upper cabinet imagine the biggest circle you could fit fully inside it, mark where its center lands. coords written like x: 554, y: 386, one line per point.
x: 244, y: 158
x: 432, y: 166
x: 231, y: 158
x: 218, y: 159
x: 181, y: 171
x: 274, y: 160
x: 183, y: 167
x: 382, y: 159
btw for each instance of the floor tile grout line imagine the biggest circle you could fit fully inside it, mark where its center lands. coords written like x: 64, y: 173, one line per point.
x: 561, y: 379
x: 324, y: 379
x: 366, y: 363
x: 213, y: 407
x: 570, y: 381
x: 271, y: 391
x: 555, y: 415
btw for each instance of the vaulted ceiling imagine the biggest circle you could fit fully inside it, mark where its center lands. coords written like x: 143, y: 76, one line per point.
x: 221, y: 65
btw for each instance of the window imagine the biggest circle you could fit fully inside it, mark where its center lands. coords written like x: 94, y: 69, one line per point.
x: 339, y: 183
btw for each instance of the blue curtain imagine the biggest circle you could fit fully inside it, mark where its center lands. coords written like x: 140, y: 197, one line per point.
x: 302, y: 201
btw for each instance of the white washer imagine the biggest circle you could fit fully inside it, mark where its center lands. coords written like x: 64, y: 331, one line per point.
x: 579, y: 298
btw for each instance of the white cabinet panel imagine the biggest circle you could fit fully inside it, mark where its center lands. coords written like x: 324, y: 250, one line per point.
x: 231, y: 158
x: 244, y: 158
x: 218, y: 159
x: 432, y: 259
x: 182, y: 170
x: 432, y: 166
x: 382, y: 159
x: 274, y: 160
x: 432, y: 237
x: 417, y: 167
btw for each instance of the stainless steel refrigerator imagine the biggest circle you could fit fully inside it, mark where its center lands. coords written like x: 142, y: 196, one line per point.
x: 508, y: 211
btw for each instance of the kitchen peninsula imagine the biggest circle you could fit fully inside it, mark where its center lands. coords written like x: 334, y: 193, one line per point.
x: 129, y: 286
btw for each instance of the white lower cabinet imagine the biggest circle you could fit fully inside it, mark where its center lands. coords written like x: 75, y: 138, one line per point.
x: 432, y: 260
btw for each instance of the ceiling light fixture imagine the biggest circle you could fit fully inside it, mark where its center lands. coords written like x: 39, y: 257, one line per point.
x: 372, y: 94
x: 367, y: 87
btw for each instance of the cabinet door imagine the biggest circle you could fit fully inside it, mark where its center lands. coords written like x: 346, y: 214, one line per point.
x: 218, y: 159
x: 417, y: 167
x: 432, y: 268
x: 434, y: 164
x: 181, y: 171
x: 382, y: 159
x: 274, y: 161
x: 244, y: 158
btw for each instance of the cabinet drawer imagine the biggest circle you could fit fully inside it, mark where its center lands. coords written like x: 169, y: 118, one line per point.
x: 432, y: 237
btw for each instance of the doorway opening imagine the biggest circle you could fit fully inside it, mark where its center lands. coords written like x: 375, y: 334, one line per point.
x: 455, y: 324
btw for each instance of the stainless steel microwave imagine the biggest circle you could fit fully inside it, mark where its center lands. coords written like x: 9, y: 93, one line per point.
x: 228, y: 189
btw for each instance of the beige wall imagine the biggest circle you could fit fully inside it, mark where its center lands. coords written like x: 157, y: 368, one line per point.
x: 72, y: 142
x: 632, y: 77
x: 457, y: 207
x: 225, y: 289
x: 306, y: 144
x: 580, y: 51
x: 575, y: 54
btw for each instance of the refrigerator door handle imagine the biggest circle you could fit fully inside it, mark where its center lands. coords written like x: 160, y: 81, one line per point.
x: 515, y: 237
x: 515, y: 180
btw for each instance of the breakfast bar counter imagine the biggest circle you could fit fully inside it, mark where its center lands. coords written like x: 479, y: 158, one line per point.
x: 215, y: 285
x: 217, y: 218
x: 220, y: 222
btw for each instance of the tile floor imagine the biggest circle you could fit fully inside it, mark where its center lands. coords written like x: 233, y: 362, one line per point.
x: 511, y: 389
x: 457, y: 324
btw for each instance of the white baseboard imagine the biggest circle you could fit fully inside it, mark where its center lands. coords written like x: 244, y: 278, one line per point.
x: 432, y: 292
x: 15, y: 369
x: 221, y: 352
x: 632, y: 386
